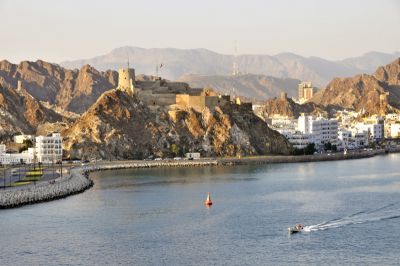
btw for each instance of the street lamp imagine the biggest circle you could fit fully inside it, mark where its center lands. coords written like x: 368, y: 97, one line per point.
x: 4, y: 177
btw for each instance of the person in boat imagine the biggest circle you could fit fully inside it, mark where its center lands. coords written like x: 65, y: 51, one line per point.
x: 299, y: 227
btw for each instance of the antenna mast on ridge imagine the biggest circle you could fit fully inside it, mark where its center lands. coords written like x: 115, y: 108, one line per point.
x: 235, y: 70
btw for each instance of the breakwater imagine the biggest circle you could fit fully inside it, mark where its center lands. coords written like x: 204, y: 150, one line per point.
x: 300, y: 159
x: 78, y: 179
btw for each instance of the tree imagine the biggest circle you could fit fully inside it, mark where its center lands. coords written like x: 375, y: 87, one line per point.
x: 310, y: 149
x: 372, y: 145
x: 174, y: 149
x: 27, y: 143
x: 328, y: 146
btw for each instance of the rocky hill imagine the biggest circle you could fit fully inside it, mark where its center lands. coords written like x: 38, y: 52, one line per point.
x: 72, y: 90
x: 251, y: 86
x: 287, y: 107
x: 119, y: 126
x: 365, y: 92
x: 179, y: 62
x: 22, y: 113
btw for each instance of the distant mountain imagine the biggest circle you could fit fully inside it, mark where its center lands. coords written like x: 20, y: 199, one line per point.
x: 370, y: 61
x: 72, y: 90
x: 258, y: 87
x: 179, y: 62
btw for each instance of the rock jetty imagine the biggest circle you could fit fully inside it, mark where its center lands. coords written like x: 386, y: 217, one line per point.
x: 74, y: 183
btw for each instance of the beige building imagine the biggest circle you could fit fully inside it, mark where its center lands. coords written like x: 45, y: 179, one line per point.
x: 306, y: 91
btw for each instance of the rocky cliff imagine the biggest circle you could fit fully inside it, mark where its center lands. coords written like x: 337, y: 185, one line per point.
x: 120, y: 126
x: 287, y: 107
x: 376, y: 94
x: 73, y: 90
x: 22, y: 113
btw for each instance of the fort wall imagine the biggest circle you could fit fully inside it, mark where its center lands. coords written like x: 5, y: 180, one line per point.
x: 152, y: 99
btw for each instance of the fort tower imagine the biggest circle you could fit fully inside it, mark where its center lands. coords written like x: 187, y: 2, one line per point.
x: 126, y: 80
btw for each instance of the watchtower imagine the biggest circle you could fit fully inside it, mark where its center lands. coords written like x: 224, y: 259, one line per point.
x: 126, y: 80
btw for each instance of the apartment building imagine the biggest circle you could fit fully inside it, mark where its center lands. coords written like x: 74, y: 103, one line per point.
x: 49, y: 148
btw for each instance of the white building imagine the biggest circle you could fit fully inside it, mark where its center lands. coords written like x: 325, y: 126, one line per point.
x: 361, y: 139
x: 192, y: 155
x: 283, y: 124
x: 21, y: 138
x: 352, y: 139
x: 3, y: 149
x: 323, y: 130
x: 49, y: 149
x: 298, y: 139
x: 395, y: 130
x: 16, y: 158
x: 344, y: 139
x: 392, y: 117
x: 375, y: 131
x: 346, y: 117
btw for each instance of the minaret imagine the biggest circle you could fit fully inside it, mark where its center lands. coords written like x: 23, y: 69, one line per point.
x: 19, y: 86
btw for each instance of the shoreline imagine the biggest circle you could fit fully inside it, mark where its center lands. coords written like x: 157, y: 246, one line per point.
x: 78, y: 180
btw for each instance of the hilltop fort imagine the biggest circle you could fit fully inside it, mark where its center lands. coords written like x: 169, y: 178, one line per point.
x: 156, y: 92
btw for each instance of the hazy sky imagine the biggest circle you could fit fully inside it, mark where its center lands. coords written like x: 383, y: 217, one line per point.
x: 71, y: 29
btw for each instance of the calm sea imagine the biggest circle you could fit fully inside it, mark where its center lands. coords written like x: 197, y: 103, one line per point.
x: 351, y: 210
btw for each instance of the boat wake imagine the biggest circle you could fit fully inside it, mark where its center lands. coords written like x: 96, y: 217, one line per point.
x: 387, y: 212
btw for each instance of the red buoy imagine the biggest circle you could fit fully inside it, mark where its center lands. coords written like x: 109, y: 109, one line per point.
x: 208, y: 201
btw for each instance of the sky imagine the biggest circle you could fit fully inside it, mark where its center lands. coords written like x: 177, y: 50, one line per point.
x: 62, y: 30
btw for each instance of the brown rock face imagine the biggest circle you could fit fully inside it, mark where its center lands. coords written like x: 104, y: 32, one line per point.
x: 72, y: 90
x: 364, y: 91
x: 119, y: 126
x: 287, y: 107
x: 389, y: 74
x: 21, y: 113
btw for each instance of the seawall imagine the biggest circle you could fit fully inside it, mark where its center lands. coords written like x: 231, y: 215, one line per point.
x: 299, y: 159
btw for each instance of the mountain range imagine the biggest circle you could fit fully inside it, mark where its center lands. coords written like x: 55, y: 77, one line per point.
x: 178, y: 62
x: 71, y: 90
x: 96, y: 119
x: 250, y: 86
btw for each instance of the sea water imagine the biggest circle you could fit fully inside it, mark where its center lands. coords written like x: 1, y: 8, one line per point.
x: 350, y: 210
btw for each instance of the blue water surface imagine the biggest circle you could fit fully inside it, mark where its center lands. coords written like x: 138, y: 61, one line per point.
x: 351, y: 210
